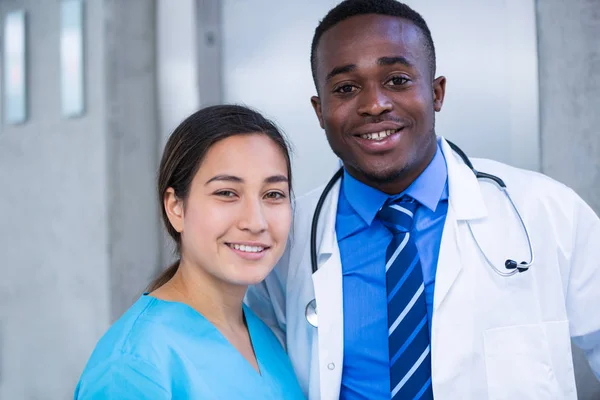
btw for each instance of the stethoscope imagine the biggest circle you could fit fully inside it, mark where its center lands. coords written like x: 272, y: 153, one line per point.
x: 510, y: 266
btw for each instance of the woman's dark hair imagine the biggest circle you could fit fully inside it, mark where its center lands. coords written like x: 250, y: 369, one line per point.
x: 186, y: 148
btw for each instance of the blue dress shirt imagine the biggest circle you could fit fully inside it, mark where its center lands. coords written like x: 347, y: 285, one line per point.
x: 363, y: 241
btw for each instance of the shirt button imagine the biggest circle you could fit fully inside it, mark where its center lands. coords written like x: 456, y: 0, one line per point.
x: 331, y: 366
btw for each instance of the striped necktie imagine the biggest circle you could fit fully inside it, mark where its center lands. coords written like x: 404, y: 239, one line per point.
x: 408, y: 331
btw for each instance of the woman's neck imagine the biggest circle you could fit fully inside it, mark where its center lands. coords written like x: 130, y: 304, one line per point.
x: 217, y: 301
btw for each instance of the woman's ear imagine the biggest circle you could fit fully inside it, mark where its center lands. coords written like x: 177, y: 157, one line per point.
x: 174, y: 209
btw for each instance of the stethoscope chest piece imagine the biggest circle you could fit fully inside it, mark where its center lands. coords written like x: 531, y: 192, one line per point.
x: 311, y: 313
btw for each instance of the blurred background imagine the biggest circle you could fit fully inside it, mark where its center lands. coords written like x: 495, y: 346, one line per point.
x: 91, y: 89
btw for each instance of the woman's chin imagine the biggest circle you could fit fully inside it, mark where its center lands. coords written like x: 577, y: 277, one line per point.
x: 250, y: 276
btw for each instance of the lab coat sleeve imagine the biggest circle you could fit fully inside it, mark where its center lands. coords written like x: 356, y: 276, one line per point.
x: 127, y: 378
x: 583, y: 293
x: 267, y: 299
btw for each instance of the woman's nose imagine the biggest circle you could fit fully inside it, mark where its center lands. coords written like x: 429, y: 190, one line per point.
x: 252, y: 217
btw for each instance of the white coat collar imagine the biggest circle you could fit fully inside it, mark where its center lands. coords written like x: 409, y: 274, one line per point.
x: 326, y: 237
x: 464, y: 194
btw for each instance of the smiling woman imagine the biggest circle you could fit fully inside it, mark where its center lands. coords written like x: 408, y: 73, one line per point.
x: 225, y: 187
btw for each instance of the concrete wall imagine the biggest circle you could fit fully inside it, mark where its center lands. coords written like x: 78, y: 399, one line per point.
x: 78, y: 231
x: 569, y: 54
x: 132, y: 134
x: 569, y: 71
x: 54, y: 298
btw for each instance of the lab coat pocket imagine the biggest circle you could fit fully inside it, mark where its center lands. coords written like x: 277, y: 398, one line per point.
x: 518, y: 364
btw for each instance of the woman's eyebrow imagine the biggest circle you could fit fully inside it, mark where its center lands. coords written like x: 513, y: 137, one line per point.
x: 226, y: 178
x: 277, y: 179
x: 237, y: 179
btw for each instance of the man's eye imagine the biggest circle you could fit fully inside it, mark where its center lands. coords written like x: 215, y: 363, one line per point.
x: 345, y: 89
x: 398, y: 80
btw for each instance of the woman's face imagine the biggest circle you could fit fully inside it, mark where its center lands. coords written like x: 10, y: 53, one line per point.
x: 235, y: 222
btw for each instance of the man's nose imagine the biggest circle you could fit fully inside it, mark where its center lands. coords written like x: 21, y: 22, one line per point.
x: 374, y: 100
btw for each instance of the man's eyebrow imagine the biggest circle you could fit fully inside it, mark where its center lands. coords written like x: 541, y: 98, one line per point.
x: 236, y: 179
x: 383, y: 61
x: 386, y: 61
x: 344, y: 69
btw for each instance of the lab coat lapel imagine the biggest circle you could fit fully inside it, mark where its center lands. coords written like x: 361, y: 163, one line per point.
x: 465, y: 202
x: 327, y: 283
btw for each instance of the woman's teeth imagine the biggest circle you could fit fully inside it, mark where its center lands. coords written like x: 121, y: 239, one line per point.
x: 247, y: 249
x: 379, y: 135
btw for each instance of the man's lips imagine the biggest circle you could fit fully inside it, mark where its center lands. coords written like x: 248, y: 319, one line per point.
x: 377, y: 128
x: 378, y: 136
x: 380, y: 142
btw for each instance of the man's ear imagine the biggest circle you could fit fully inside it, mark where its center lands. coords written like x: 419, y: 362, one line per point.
x: 174, y: 209
x: 439, y: 92
x: 316, y: 103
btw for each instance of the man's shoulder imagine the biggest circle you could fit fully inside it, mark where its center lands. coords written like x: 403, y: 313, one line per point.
x: 304, y: 208
x: 521, y: 179
x: 305, y: 205
x: 310, y: 198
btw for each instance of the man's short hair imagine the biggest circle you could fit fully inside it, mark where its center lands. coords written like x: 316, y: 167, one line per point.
x: 351, y: 8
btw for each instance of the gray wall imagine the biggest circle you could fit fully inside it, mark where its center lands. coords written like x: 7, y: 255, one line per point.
x: 78, y: 233
x: 569, y: 53
x: 132, y: 134
x: 569, y: 71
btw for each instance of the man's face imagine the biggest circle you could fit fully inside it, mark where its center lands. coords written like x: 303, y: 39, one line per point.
x: 377, y: 99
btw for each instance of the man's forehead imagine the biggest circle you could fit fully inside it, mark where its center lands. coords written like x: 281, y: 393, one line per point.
x: 356, y: 34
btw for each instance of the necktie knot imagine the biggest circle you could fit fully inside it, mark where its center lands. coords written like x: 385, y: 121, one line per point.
x: 398, y: 215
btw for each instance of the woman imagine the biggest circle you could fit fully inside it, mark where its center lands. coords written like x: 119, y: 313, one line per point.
x: 224, y: 185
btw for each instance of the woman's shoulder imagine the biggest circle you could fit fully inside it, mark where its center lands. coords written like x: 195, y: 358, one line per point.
x: 123, y: 376
x: 129, y: 354
x: 138, y: 333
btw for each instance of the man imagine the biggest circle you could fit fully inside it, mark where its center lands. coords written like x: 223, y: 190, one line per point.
x: 411, y: 247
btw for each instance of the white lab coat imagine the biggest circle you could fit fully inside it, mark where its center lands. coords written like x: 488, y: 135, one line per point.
x: 492, y: 337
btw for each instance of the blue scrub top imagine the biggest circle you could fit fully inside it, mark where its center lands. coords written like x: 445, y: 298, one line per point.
x: 166, y: 350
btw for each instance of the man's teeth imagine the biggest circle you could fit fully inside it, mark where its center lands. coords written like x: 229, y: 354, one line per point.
x: 378, y: 135
x: 247, y: 249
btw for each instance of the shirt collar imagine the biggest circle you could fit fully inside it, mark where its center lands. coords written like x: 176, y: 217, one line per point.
x: 364, y: 200
x: 428, y: 189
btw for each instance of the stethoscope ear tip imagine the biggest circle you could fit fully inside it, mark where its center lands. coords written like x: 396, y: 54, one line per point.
x: 524, y: 266
x: 512, y: 265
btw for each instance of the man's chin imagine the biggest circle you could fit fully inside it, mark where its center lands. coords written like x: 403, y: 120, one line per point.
x: 380, y: 174
x: 380, y: 177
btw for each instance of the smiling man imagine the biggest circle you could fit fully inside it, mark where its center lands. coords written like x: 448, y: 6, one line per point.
x: 412, y: 295
x: 377, y: 96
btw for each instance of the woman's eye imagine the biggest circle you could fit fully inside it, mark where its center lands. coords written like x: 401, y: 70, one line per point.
x: 345, y: 89
x: 225, y: 193
x: 398, y: 80
x: 275, y: 196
